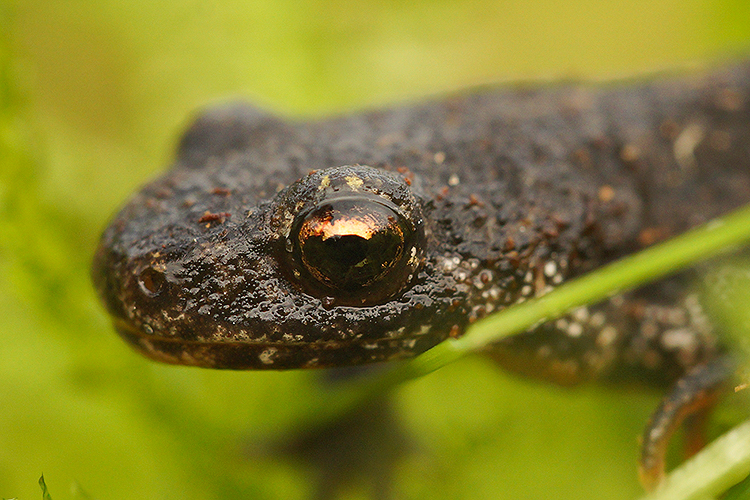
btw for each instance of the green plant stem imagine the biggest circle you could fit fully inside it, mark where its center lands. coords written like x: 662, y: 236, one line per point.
x: 740, y: 491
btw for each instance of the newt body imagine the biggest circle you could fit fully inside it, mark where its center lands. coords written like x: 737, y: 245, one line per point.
x: 274, y: 244
x: 513, y: 192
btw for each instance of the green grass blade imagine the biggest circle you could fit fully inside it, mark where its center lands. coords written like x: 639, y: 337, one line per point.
x: 45, y: 492
x: 739, y: 491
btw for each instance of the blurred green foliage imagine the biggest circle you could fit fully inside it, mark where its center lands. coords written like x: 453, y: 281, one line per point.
x: 92, y: 98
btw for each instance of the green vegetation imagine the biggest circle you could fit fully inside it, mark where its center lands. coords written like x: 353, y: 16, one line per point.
x: 93, y: 95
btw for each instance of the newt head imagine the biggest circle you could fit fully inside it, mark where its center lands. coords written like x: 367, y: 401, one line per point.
x: 259, y: 250
x: 330, y: 270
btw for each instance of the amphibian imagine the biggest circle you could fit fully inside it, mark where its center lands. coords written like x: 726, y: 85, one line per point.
x: 276, y: 244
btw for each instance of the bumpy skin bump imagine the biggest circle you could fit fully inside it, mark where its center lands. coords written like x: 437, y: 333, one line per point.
x: 516, y: 190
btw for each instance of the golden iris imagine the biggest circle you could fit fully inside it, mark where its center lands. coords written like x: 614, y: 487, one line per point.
x: 352, y: 242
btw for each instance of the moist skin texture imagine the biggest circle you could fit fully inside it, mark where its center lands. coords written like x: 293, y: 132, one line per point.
x: 273, y: 244
x: 493, y: 196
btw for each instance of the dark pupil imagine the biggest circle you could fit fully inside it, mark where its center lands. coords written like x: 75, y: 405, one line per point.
x: 350, y: 245
x: 351, y: 261
x: 350, y: 251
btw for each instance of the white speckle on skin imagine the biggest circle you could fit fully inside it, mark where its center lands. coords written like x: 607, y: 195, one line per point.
x: 607, y: 336
x: 678, y: 338
x: 656, y: 432
x: 685, y: 144
x: 698, y: 319
x: 461, y: 275
x: 598, y: 319
x: 581, y: 314
x: 550, y: 268
x: 575, y: 330
x: 180, y: 316
x: 448, y: 264
x: 219, y: 334
x: 266, y: 357
x: 453, y: 180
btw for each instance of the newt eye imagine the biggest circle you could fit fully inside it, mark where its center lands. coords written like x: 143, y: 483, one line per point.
x: 348, y: 243
x: 357, y: 240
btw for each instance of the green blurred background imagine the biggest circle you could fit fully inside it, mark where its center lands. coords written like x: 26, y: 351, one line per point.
x: 93, y: 97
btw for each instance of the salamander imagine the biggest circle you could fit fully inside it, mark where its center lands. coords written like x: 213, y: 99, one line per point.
x: 277, y: 244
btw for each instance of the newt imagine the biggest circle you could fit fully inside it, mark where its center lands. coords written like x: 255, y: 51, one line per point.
x: 373, y: 236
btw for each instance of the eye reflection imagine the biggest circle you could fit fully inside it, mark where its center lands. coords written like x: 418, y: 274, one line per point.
x: 352, y: 235
x: 351, y: 243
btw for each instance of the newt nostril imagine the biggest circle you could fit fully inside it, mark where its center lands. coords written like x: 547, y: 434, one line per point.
x: 151, y: 281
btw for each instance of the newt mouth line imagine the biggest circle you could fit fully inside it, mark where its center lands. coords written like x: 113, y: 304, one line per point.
x: 128, y: 331
x: 264, y: 355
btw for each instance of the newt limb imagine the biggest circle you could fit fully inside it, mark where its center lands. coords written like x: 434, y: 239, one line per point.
x: 692, y: 397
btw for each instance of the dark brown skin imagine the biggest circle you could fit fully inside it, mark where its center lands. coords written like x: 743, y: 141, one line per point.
x: 418, y: 220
